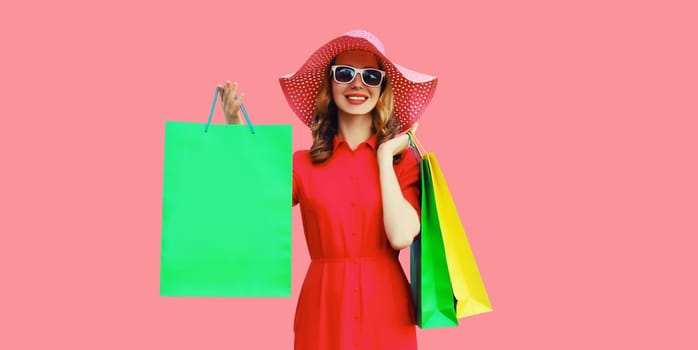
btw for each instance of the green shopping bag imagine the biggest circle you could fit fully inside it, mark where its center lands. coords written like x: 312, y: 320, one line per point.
x: 430, y: 282
x: 226, y: 210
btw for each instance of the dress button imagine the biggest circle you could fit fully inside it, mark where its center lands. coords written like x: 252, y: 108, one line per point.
x: 356, y: 317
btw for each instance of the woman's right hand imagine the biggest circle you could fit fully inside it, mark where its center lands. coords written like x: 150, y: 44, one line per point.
x: 230, y: 102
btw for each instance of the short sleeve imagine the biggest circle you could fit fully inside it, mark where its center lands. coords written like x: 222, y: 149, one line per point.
x: 300, y: 158
x: 407, y: 171
x: 296, y: 181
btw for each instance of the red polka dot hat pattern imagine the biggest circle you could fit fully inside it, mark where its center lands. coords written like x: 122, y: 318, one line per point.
x: 412, y: 90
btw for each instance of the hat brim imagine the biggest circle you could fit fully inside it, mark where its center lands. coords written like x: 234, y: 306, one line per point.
x: 412, y: 91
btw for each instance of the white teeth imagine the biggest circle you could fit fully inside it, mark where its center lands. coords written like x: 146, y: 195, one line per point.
x: 356, y: 98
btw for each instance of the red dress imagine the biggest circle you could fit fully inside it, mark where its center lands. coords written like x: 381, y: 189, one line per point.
x: 355, y: 294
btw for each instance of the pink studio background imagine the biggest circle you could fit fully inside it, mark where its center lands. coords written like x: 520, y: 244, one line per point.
x: 567, y: 131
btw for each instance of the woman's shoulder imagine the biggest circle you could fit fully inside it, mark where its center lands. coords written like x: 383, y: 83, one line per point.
x: 408, y: 159
x: 301, y: 159
x: 301, y: 155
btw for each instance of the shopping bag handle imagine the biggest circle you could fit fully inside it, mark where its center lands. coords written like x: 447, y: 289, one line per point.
x: 416, y: 146
x: 213, y: 107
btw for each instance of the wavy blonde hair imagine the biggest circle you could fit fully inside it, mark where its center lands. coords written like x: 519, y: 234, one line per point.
x: 324, y: 126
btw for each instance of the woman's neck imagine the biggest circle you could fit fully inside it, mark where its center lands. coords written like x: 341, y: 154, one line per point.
x: 355, y: 129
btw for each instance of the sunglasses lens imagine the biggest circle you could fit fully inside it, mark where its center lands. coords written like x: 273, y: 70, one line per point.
x: 372, y: 77
x: 344, y: 74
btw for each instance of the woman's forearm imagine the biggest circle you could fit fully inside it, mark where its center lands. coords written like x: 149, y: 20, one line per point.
x: 400, y: 219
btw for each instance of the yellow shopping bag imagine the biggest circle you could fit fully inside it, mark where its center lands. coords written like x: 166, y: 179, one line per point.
x: 468, y: 289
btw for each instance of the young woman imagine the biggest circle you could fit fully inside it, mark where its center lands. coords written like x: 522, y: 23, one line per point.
x: 358, y: 189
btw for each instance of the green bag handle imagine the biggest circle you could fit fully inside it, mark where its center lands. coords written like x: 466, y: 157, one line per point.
x: 213, y: 107
x: 413, y: 146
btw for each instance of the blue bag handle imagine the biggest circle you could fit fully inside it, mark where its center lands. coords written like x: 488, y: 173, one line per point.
x: 213, y: 107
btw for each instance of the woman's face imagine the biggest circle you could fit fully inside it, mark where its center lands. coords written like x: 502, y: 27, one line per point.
x: 355, y: 98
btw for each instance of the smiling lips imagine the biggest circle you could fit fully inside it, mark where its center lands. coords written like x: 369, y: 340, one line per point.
x: 356, y: 99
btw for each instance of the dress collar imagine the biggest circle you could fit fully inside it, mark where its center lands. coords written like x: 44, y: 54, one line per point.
x: 370, y: 142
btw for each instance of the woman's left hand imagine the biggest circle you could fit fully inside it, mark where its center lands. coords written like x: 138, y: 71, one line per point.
x: 396, y: 145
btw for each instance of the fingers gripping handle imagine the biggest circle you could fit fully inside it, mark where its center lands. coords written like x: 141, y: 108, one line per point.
x: 213, y: 107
